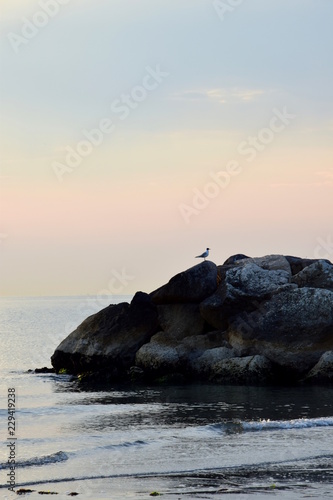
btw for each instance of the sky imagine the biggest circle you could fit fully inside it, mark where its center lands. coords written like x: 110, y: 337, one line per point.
x: 136, y: 134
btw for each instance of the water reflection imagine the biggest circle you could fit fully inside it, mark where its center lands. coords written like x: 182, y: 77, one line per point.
x: 189, y: 405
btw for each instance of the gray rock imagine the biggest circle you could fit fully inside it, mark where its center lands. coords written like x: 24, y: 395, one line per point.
x: 108, y: 339
x: 192, y: 285
x: 161, y: 355
x: 297, y: 263
x: 269, y: 263
x: 212, y: 310
x: 323, y: 370
x: 235, y: 258
x: 181, y: 320
x: 252, y: 281
x: 247, y: 370
x: 242, y: 285
x: 166, y: 354
x: 317, y: 275
x: 197, y: 344
x: 204, y: 365
x: 292, y: 329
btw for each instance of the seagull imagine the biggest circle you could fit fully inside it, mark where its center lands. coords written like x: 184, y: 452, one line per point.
x: 203, y: 255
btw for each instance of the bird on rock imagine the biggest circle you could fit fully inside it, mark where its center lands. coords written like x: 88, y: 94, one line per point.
x: 203, y: 255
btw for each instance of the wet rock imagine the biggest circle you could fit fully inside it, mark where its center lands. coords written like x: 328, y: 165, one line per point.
x: 248, y: 370
x: 204, y: 364
x: 166, y: 354
x: 161, y: 355
x: 44, y: 370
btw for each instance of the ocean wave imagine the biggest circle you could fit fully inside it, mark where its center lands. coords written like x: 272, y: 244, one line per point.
x: 299, y: 423
x: 59, y: 456
x: 266, y: 425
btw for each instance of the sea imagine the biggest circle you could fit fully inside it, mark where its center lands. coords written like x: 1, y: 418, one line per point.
x: 197, y: 441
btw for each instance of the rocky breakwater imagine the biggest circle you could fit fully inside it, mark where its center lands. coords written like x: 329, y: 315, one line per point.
x: 249, y: 321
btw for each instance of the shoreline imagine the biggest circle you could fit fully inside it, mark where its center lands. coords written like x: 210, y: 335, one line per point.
x: 288, y: 479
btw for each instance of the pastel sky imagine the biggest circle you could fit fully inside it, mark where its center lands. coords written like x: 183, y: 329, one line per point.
x: 134, y: 134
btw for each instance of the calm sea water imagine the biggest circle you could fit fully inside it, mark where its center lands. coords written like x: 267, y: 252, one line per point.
x: 201, y: 441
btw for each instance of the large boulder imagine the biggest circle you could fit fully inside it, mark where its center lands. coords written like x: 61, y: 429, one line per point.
x: 204, y: 364
x: 166, y: 354
x: 297, y: 264
x: 181, y: 320
x: 235, y: 258
x: 109, y: 339
x: 293, y: 328
x: 323, y: 370
x: 192, y: 285
x: 252, y: 281
x: 242, y: 285
x: 248, y: 370
x: 274, y: 262
x: 317, y: 275
x: 161, y: 355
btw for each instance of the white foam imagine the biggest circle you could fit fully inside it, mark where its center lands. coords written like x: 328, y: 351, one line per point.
x: 300, y: 423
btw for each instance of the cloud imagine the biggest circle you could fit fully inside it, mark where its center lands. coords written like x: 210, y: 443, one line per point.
x: 221, y: 95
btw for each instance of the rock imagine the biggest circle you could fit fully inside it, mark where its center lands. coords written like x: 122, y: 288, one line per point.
x: 166, y: 354
x: 136, y: 374
x: 293, y: 328
x: 297, y: 263
x: 252, y: 281
x: 269, y: 263
x: 323, y: 370
x: 234, y: 258
x: 241, y: 287
x: 317, y: 275
x: 161, y: 355
x: 252, y: 320
x: 192, y: 285
x: 197, y: 344
x: 273, y: 262
x: 204, y: 364
x: 166, y: 351
x: 212, y: 310
x: 247, y: 370
x: 181, y: 320
x: 108, y: 339
x: 44, y: 370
